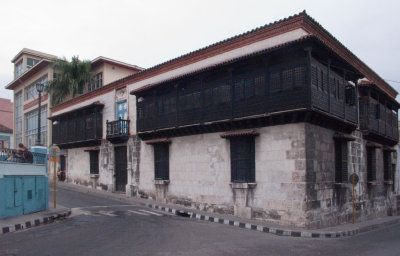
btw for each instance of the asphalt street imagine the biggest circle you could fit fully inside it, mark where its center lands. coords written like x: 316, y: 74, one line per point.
x: 102, y: 226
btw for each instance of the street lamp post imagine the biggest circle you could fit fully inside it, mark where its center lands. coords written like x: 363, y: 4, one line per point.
x: 39, y: 88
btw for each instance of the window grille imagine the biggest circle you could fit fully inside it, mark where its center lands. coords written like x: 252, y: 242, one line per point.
x: 387, y: 166
x: 259, y: 85
x: 94, y: 162
x: 299, y: 76
x: 249, y: 88
x: 287, y: 79
x: 350, y: 95
x: 314, y: 76
x: 371, y: 164
x: 332, y: 84
x: 238, y: 89
x: 242, y: 159
x: 275, y: 81
x: 161, y: 161
x: 341, y: 160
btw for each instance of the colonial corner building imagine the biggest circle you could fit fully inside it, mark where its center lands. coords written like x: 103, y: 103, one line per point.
x: 269, y: 125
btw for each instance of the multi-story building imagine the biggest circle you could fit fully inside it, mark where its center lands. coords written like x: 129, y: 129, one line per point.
x: 271, y: 124
x: 32, y: 67
x: 6, y: 123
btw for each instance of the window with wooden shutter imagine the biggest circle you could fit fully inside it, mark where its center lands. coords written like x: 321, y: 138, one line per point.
x: 161, y: 161
x: 299, y: 76
x: 259, y: 84
x: 387, y: 166
x: 242, y: 159
x: 350, y: 95
x: 275, y: 81
x: 341, y: 161
x: 371, y: 164
x: 94, y: 162
x: 287, y: 79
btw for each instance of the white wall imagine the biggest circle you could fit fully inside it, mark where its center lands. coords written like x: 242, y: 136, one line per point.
x: 200, y: 171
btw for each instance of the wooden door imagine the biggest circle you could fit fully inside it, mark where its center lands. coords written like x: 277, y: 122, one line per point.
x: 121, y: 175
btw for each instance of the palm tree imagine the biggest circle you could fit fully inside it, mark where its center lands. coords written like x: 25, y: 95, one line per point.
x: 70, y: 80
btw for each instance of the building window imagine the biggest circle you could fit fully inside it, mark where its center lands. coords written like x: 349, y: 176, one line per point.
x: 63, y: 165
x: 18, y: 69
x: 18, y: 118
x: 341, y: 155
x: 350, y: 95
x: 96, y: 83
x: 31, y: 127
x: 4, y: 144
x: 30, y: 91
x: 31, y: 62
x: 242, y: 159
x: 94, y: 162
x: 371, y: 164
x: 387, y: 166
x: 161, y: 161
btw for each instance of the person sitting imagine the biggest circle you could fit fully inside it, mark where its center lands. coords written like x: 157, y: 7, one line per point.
x: 20, y: 153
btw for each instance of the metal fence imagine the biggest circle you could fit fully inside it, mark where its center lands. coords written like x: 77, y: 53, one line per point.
x: 21, y: 156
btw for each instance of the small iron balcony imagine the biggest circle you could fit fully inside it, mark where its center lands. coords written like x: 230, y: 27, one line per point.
x: 118, y: 130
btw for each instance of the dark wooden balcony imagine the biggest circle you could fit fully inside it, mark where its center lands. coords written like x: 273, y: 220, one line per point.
x: 378, y: 116
x: 118, y: 131
x: 287, y: 85
x: 78, y: 128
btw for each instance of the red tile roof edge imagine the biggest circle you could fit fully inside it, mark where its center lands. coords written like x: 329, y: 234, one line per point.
x: 229, y: 134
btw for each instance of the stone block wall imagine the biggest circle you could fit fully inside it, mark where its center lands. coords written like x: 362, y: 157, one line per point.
x: 200, y: 175
x: 329, y: 204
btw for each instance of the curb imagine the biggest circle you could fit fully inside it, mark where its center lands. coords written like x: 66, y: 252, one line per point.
x: 263, y: 228
x: 260, y: 228
x: 275, y: 231
x: 34, y: 222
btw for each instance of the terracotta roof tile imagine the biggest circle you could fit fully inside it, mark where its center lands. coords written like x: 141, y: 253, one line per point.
x: 229, y: 134
x: 155, y: 141
x: 148, y: 86
x: 344, y: 137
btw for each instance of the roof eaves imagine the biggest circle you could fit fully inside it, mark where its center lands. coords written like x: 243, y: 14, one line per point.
x: 105, y: 59
x: 148, y: 86
x: 393, y: 93
x: 34, y: 53
x: 19, y: 79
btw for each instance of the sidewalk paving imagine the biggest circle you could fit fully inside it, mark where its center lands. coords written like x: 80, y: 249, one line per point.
x: 34, y: 219
x: 262, y: 226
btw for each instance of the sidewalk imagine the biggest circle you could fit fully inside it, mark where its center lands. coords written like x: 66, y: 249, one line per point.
x: 34, y: 219
x: 261, y: 226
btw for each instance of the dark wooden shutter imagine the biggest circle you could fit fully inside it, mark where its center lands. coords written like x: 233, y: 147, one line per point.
x: 62, y: 163
x: 94, y: 162
x: 371, y: 164
x: 345, y: 171
x: 341, y: 162
x: 259, y: 84
x: 242, y: 159
x: 299, y: 76
x: 387, y: 166
x: 161, y: 161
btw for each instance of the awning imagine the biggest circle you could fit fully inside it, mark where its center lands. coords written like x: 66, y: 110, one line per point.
x: 156, y: 141
x: 373, y: 145
x: 93, y: 105
x: 343, y: 137
x: 230, y: 134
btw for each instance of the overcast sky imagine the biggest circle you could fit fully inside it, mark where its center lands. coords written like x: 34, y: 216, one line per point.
x: 146, y: 33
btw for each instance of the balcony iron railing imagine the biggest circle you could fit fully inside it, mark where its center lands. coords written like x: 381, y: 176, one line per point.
x: 118, y: 128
